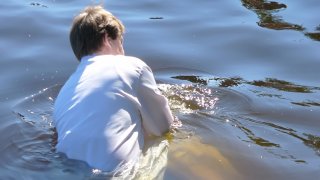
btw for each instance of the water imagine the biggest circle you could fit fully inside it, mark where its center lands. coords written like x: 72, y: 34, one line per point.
x: 242, y: 75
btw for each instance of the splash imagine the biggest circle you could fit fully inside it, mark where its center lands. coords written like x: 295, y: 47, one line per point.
x: 189, y: 98
x: 211, y: 110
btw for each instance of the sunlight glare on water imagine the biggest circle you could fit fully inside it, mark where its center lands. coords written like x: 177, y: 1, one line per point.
x: 242, y: 76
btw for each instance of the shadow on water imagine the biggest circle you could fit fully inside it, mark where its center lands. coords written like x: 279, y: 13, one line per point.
x: 267, y: 13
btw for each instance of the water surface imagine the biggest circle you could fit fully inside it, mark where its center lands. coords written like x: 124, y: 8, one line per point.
x: 242, y: 75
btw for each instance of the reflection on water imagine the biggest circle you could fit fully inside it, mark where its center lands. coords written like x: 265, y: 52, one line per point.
x: 273, y: 83
x: 262, y: 128
x: 267, y: 13
x: 212, y: 119
x: 313, y: 35
x: 229, y: 82
x: 38, y: 4
x: 312, y: 141
x: 307, y: 104
x: 281, y: 85
x: 210, y: 111
x: 262, y: 5
x: 187, y: 96
x: 251, y: 135
x: 193, y: 79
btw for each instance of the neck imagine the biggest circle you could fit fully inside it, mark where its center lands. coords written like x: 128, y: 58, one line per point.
x: 104, y: 51
x: 111, y: 47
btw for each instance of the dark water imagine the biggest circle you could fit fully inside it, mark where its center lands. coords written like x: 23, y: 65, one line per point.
x: 242, y: 75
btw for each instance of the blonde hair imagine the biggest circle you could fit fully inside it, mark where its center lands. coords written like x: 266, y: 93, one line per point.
x: 89, y: 29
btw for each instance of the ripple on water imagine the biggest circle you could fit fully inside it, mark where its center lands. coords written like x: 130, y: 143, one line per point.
x: 222, y: 113
x: 216, y: 113
x: 35, y: 144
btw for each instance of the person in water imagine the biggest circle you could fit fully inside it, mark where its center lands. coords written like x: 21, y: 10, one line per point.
x: 111, y: 102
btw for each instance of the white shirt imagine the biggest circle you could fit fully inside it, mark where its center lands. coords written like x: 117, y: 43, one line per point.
x: 104, y: 109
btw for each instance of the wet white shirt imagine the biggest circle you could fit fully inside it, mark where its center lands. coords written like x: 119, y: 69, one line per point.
x: 104, y: 109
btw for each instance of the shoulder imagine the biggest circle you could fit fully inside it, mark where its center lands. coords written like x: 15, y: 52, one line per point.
x: 136, y: 61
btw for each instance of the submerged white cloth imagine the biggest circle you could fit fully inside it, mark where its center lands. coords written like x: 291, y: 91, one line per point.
x: 104, y: 109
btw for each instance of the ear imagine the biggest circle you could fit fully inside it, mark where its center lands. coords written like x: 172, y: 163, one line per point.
x: 106, y: 41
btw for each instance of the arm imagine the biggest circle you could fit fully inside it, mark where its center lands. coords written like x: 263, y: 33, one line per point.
x: 155, y: 111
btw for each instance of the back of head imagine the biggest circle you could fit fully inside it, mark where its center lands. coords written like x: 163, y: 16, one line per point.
x: 89, y: 29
